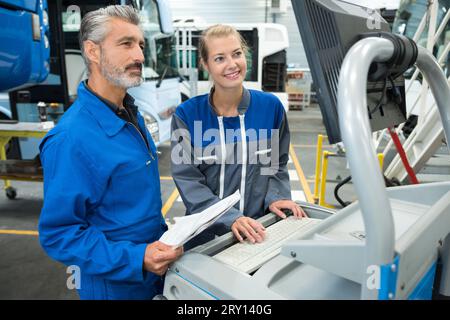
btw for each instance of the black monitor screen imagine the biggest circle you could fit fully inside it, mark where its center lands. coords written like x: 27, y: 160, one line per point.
x: 328, y: 29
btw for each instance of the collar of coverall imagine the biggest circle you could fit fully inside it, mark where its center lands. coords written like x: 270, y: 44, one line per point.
x: 106, y: 117
x: 243, y: 105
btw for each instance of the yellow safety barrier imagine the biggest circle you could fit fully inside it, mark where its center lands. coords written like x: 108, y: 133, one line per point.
x: 323, y: 179
x: 381, y: 160
x: 323, y: 175
x: 318, y: 165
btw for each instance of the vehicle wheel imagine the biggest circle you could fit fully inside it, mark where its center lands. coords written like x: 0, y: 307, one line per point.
x: 11, y: 193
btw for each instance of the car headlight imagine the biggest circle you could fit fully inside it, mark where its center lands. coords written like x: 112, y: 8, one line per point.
x: 152, y: 126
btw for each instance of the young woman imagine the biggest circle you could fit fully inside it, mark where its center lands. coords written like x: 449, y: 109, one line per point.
x: 232, y: 138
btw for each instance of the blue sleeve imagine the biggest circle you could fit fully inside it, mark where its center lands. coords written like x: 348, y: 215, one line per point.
x: 279, y: 187
x: 191, y: 182
x: 72, y: 190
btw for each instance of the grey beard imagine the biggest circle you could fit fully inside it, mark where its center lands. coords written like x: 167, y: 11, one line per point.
x: 120, y: 78
x: 117, y: 76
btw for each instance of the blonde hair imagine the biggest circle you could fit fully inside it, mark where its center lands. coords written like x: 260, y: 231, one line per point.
x: 218, y: 31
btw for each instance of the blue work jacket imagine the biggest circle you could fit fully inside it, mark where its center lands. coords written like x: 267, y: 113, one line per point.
x: 257, y: 168
x: 102, y: 200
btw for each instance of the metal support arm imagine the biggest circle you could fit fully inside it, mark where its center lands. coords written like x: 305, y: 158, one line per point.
x: 364, y: 167
x: 356, y: 135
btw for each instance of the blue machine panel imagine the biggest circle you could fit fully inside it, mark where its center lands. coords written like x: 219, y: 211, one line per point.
x: 424, y: 289
x: 388, y: 280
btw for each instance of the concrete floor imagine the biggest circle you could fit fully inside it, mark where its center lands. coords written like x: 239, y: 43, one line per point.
x: 26, y: 272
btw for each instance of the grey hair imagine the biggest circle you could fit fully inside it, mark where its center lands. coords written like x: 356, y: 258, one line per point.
x: 94, y: 25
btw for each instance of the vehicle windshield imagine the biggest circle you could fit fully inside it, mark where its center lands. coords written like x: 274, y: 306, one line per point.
x: 159, y: 52
x: 160, y: 56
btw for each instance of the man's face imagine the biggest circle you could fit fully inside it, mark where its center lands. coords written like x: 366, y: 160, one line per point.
x: 121, y: 54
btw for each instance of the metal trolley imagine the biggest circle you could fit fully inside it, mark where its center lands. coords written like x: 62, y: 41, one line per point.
x: 24, y: 170
x: 388, y: 245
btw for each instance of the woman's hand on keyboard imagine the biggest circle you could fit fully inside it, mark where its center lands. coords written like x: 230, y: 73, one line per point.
x: 277, y: 206
x: 249, y: 228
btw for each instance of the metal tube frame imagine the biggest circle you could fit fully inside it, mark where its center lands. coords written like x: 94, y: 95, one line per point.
x: 357, y: 138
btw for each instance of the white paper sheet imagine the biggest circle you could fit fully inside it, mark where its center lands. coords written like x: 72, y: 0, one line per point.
x: 187, y: 227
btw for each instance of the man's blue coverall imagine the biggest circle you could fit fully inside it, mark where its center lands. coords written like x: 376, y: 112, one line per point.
x: 102, y: 200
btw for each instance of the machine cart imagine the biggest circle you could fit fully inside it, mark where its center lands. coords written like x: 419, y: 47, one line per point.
x: 388, y: 245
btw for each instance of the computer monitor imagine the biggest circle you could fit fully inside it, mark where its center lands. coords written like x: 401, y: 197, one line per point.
x: 328, y: 30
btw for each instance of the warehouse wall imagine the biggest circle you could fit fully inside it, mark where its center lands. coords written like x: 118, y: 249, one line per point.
x: 253, y: 11
x: 243, y: 11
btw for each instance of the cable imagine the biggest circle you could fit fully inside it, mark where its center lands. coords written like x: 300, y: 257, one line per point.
x: 336, y: 189
x: 411, y: 174
x: 380, y: 103
x: 397, y: 93
x: 387, y: 182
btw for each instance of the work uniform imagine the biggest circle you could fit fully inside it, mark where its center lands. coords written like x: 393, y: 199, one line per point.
x: 213, y: 156
x: 102, y: 199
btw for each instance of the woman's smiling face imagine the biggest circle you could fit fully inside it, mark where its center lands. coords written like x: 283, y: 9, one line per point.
x: 226, y: 61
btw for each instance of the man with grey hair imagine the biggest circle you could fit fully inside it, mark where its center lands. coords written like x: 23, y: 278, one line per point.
x: 102, y: 198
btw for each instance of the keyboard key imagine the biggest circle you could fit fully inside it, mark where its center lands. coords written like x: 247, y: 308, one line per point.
x: 248, y: 257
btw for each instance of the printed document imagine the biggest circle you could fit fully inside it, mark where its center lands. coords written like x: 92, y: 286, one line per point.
x: 187, y: 227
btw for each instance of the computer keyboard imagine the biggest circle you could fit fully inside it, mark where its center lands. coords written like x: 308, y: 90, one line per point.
x: 248, y: 257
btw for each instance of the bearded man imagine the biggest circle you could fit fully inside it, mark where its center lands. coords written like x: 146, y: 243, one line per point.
x: 102, y: 199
